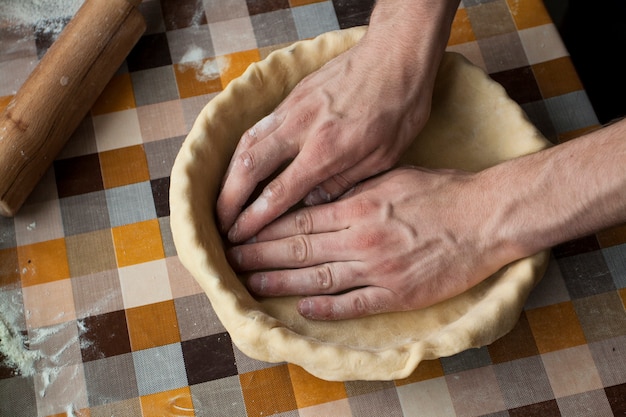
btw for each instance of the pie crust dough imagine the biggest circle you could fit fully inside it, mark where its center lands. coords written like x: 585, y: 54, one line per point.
x: 473, y: 125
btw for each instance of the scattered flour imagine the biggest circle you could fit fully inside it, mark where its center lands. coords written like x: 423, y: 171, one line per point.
x: 206, y: 69
x: 45, y: 16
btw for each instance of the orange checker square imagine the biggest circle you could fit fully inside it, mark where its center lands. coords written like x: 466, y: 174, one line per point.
x: 117, y: 95
x: 124, y: 166
x: 556, y: 77
x: 573, y: 134
x: 235, y: 64
x: 4, y: 102
x: 9, y: 268
x: 137, y: 243
x: 83, y: 412
x: 462, y: 31
x: 310, y: 390
x: 43, y: 262
x: 267, y: 391
x: 296, y: 3
x: 425, y: 370
x: 622, y: 295
x: 613, y: 236
x: 198, y: 78
x: 177, y: 402
x: 529, y: 13
x: 152, y: 325
x: 555, y: 327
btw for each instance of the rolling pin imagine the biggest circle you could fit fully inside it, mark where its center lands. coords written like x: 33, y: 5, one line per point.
x: 60, y: 91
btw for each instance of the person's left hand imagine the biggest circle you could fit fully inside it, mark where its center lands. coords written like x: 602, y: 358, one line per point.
x: 404, y: 240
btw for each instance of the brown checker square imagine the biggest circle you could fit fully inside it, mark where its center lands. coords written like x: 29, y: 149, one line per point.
x: 353, y: 12
x: 555, y: 327
x: 160, y: 194
x: 310, y: 391
x: 612, y: 237
x: 519, y: 83
x: 617, y: 399
x: 601, y: 316
x: 491, y: 19
x: 152, y: 325
x: 9, y: 268
x: 180, y: 14
x: 90, y: 253
x: 78, y: 175
x: 130, y: 407
x: 266, y: 6
x: 209, y: 358
x: 529, y: 13
x: 124, y: 166
x: 576, y: 247
x: 117, y: 95
x: 517, y: 344
x: 105, y: 335
x: 425, y: 370
x: 543, y: 409
x: 267, y: 391
x: 462, y: 31
x: 190, y: 84
x: 557, y: 77
x: 151, y: 51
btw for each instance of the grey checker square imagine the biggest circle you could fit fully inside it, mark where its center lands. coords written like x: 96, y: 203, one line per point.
x: 154, y: 85
x: 218, y: 398
x: 468, y: 359
x: 110, y: 379
x: 161, y: 154
x: 130, y: 204
x: 586, y: 274
x: 571, y: 111
x: 616, y: 262
x: 160, y: 369
x: 606, y: 308
x: 166, y: 237
x: 523, y: 382
x: 190, y: 44
x: 609, y: 356
x: 7, y: 233
x: 379, y: 403
x: 503, y: 52
x: 17, y: 397
x: 590, y: 403
x: 314, y: 19
x: 84, y: 213
x: 274, y: 28
x: 188, y: 309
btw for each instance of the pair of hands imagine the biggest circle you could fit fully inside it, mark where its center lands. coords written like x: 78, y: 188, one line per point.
x: 391, y: 243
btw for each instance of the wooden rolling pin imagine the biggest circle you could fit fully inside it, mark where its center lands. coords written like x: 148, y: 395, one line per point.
x: 60, y: 91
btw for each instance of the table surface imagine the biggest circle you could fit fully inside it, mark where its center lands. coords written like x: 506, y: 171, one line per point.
x: 89, y: 274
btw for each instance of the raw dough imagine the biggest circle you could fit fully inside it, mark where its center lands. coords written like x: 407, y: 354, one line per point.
x: 473, y: 125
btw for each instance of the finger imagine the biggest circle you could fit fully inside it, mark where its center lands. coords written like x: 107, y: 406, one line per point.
x: 327, y: 278
x: 292, y: 252
x: 249, y: 168
x: 341, y: 182
x: 360, y: 302
x: 306, y: 221
x: 306, y: 171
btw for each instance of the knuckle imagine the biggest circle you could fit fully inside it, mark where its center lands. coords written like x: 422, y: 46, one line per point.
x: 303, y: 222
x: 342, y: 181
x: 300, y: 249
x: 324, y: 277
x: 359, y: 305
x: 275, y: 189
x: 246, y: 160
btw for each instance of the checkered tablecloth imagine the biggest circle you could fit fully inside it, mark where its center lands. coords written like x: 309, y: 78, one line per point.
x: 90, y: 277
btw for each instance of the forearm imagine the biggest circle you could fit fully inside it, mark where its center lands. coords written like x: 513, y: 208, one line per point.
x: 562, y: 193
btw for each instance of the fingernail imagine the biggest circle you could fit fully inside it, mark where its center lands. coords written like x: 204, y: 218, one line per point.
x: 258, y: 283
x: 234, y: 256
x: 251, y: 240
x: 232, y: 233
x: 305, y: 306
x: 317, y: 196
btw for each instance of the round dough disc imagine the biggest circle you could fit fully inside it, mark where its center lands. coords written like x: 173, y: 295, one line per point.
x: 473, y: 125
